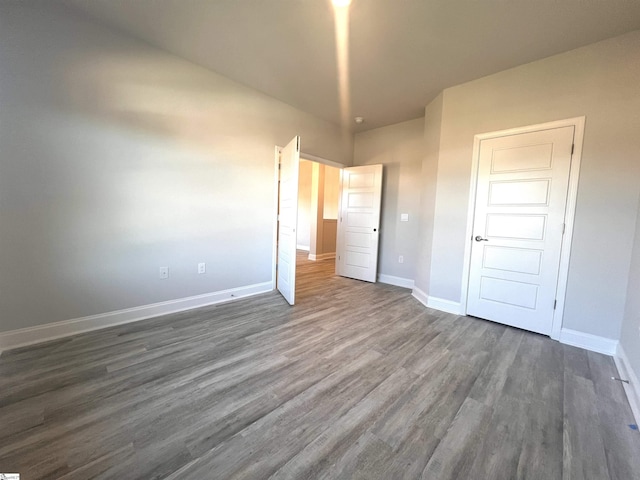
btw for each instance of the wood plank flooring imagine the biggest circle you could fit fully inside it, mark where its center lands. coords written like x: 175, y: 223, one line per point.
x: 357, y: 381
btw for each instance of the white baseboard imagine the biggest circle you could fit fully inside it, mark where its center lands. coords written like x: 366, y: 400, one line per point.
x: 419, y: 295
x: 632, y: 389
x: 444, y: 305
x: 304, y: 248
x: 435, y: 303
x: 397, y: 281
x: 322, y: 256
x: 52, y: 331
x: 587, y: 341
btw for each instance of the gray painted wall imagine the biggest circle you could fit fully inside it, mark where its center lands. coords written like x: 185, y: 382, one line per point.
x: 429, y: 175
x: 630, y: 337
x: 399, y: 148
x: 599, y: 81
x: 118, y: 158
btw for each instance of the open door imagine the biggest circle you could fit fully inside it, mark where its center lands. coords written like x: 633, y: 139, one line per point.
x: 287, y: 220
x: 359, y: 222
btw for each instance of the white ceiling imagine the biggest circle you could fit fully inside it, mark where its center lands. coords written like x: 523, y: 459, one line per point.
x: 402, y: 52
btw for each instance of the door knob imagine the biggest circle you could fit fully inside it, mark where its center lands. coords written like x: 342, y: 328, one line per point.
x: 480, y: 239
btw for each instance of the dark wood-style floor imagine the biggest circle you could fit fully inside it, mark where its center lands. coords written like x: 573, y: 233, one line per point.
x: 357, y: 381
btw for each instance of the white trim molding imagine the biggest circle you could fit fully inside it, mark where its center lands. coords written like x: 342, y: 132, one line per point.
x: 419, y: 295
x: 51, y: 331
x: 324, y: 161
x: 397, y: 281
x: 632, y: 389
x: 604, y: 345
x: 444, y: 305
x: 276, y: 196
x: 436, y: 303
x: 322, y: 256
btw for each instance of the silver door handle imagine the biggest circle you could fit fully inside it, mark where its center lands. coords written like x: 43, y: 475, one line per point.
x: 480, y: 239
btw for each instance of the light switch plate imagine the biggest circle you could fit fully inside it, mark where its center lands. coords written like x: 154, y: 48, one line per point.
x: 404, y: 217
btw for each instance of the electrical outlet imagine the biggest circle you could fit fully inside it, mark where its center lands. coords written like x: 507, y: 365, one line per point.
x: 202, y: 268
x: 164, y: 272
x: 401, y: 259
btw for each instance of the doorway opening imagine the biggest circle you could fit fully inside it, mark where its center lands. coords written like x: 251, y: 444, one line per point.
x: 318, y: 202
x: 317, y: 232
x: 350, y: 240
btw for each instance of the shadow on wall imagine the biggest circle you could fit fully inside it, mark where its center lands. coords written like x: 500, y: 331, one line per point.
x: 121, y: 159
x: 163, y: 96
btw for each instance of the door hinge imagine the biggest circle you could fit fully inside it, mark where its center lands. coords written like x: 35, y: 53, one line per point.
x: 564, y: 227
x: 298, y: 144
x: 573, y: 146
x: 555, y: 304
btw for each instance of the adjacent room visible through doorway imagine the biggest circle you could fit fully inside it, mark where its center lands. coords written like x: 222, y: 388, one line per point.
x: 318, y: 199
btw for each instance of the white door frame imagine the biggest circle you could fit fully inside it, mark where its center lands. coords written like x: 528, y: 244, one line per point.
x: 569, y: 216
x: 276, y: 192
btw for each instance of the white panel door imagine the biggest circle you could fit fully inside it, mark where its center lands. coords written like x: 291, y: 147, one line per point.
x: 287, y: 220
x: 518, y: 225
x: 359, y: 222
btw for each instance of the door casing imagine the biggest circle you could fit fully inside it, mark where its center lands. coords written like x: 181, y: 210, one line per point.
x: 563, y: 272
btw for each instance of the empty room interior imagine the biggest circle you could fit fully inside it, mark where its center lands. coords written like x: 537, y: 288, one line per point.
x: 319, y: 239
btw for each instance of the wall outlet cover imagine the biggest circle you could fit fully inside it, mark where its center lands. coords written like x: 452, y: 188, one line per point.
x: 164, y: 273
